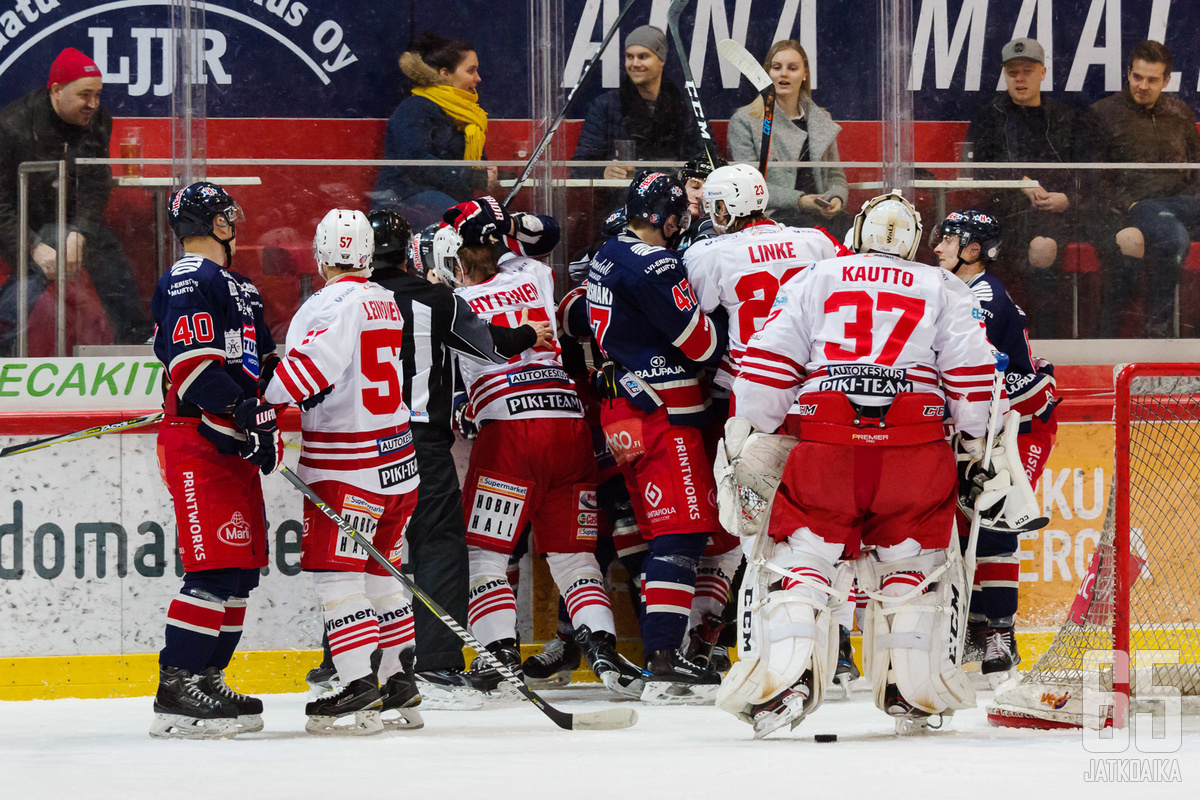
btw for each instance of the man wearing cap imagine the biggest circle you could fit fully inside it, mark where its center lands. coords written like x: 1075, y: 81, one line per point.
x: 64, y: 119
x: 647, y: 110
x: 1155, y: 214
x: 1023, y: 125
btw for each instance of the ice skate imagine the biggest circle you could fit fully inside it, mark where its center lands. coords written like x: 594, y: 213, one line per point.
x: 321, y: 679
x: 399, y: 693
x: 183, y: 710
x: 487, y: 678
x: 910, y: 719
x: 846, y: 671
x: 787, y: 708
x: 552, y: 667
x: 673, y: 680
x: 448, y: 690
x: 975, y: 646
x: 1000, y: 653
x: 360, y: 698
x: 703, y: 648
x: 249, y: 709
x: 614, y: 671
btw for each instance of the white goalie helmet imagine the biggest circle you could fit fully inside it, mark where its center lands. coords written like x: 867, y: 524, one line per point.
x: 740, y: 187
x: 888, y: 224
x: 445, y: 256
x: 345, y: 240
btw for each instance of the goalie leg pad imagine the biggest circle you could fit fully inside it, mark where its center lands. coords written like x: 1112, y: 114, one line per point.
x: 794, y: 632
x: 911, y: 639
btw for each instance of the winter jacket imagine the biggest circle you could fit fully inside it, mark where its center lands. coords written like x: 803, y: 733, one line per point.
x: 669, y: 134
x: 419, y: 129
x: 30, y: 130
x: 787, y: 144
x: 992, y: 133
x: 1120, y: 130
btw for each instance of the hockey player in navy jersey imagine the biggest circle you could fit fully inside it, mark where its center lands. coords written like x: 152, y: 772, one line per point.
x: 216, y: 436
x: 967, y: 241
x: 645, y: 318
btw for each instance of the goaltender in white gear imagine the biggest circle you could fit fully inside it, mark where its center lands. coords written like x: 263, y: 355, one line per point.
x: 874, y: 347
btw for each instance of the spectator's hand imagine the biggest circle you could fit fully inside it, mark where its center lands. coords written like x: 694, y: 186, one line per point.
x: 808, y: 202
x: 74, y: 254
x: 835, y: 205
x: 43, y: 255
x: 1054, y: 202
x: 615, y: 173
x: 493, y: 180
x: 545, y: 335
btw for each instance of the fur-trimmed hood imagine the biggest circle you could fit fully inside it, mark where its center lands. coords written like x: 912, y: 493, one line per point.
x: 417, y: 71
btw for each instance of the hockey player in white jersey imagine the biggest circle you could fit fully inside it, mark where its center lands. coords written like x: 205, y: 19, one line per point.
x: 341, y: 366
x: 875, y: 347
x: 531, y: 463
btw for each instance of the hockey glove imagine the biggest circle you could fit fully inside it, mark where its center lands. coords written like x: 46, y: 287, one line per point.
x: 1001, y: 492
x: 309, y: 403
x: 264, y: 444
x: 269, y: 364
x: 479, y: 221
x: 748, y: 470
x: 464, y: 416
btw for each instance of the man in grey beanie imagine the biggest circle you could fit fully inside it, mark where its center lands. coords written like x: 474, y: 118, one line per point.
x: 647, y: 110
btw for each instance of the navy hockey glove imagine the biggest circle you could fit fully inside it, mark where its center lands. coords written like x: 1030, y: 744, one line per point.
x: 479, y: 221
x: 264, y: 444
x: 310, y: 403
x: 464, y: 417
x: 267, y: 372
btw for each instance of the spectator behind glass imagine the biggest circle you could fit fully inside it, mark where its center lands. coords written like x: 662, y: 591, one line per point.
x: 1023, y: 125
x: 64, y: 120
x: 440, y: 120
x: 1156, y: 213
x: 802, y: 131
x: 647, y: 110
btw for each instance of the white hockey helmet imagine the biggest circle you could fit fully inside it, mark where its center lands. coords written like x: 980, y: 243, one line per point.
x: 888, y: 224
x: 446, y: 265
x: 740, y: 187
x: 345, y: 240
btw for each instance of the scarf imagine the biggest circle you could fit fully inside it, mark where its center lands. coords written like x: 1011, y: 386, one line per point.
x: 463, y: 108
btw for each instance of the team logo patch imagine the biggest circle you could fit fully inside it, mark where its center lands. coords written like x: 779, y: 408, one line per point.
x: 624, y: 440
x: 236, y: 532
x: 496, y: 508
x: 397, y: 474
x: 588, y: 518
x: 363, y: 515
x: 652, y: 494
x: 233, y: 344
x: 392, y: 444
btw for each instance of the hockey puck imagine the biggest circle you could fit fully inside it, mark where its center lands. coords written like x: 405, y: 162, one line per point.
x: 822, y: 738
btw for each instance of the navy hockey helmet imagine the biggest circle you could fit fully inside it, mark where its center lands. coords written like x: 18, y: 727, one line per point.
x: 192, y: 209
x: 701, y: 166
x: 971, y: 225
x: 614, y: 224
x: 655, y: 197
x: 392, y: 235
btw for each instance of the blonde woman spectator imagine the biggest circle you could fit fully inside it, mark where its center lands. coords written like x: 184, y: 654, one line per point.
x: 802, y: 131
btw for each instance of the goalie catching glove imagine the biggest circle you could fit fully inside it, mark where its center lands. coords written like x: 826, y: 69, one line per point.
x: 748, y: 469
x: 1005, y: 499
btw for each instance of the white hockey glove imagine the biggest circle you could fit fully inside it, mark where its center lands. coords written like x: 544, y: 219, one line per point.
x: 748, y: 469
x: 1001, y: 492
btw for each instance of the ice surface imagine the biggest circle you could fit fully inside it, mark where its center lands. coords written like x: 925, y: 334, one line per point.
x: 68, y: 749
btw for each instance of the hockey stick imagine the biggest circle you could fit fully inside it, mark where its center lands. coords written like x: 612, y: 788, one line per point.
x: 710, y: 144
x: 740, y: 57
x: 583, y: 76
x: 969, y: 559
x: 99, y: 430
x: 608, y: 719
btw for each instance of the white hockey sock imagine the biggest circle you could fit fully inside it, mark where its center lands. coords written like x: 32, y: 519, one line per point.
x: 397, y: 631
x: 582, y: 587
x: 350, y: 622
x: 713, y: 578
x: 491, y: 603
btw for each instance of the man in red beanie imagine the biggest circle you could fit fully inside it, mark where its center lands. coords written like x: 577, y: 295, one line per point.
x: 64, y: 119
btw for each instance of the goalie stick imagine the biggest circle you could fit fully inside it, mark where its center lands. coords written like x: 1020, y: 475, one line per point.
x: 739, y: 57
x: 608, y: 719
x: 99, y: 430
x: 710, y: 144
x: 583, y: 76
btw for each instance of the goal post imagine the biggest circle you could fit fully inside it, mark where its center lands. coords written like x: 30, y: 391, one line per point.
x: 1132, y: 634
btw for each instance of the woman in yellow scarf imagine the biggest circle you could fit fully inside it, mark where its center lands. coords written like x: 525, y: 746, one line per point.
x: 441, y: 120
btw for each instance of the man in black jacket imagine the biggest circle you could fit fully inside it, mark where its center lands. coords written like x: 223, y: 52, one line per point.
x: 648, y: 110
x: 1023, y: 125
x: 64, y: 120
x: 437, y: 322
x: 1155, y: 213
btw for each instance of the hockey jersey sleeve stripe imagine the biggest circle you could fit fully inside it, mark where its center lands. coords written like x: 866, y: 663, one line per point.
x: 982, y: 369
x: 294, y: 392
x: 354, y: 463
x: 221, y: 425
x: 184, y: 364
x: 353, y: 436
x: 299, y: 384
x: 699, y: 339
x: 305, y: 366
